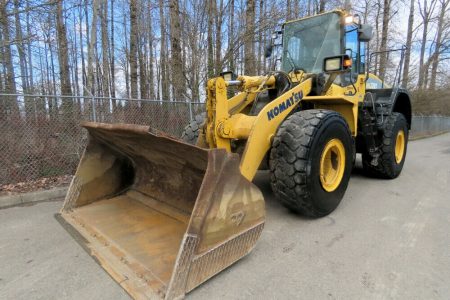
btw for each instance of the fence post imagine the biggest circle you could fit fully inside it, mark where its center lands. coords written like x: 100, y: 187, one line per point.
x: 422, y: 125
x: 190, y: 111
x: 94, y: 113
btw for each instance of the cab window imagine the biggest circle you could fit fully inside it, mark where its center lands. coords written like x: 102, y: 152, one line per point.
x: 373, y: 83
x: 351, y: 46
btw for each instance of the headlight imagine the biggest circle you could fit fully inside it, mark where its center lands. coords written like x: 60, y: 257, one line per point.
x: 332, y: 64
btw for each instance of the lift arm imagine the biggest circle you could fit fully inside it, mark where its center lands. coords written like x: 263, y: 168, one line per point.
x: 259, y: 130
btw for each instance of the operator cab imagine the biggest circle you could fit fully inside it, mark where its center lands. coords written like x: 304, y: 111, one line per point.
x: 309, y: 41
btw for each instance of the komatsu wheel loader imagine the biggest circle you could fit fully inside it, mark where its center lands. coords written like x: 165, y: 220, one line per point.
x: 162, y: 216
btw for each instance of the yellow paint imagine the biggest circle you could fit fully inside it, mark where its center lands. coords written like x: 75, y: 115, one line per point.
x: 344, y: 100
x: 238, y: 126
x: 260, y: 139
x: 399, y: 146
x: 217, y: 110
x: 332, y: 165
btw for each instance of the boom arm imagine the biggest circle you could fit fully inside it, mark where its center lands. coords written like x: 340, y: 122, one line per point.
x: 259, y: 130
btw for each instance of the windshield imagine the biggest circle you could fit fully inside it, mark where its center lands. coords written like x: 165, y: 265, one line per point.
x: 307, y: 42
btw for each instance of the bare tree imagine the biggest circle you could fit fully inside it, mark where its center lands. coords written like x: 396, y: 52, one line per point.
x: 91, y: 47
x: 112, y: 58
x: 169, y: 48
x: 9, y: 104
x: 219, y: 20
x: 30, y: 57
x: 105, y: 47
x: 249, y: 56
x: 438, y: 43
x: 134, y: 27
x: 231, y: 27
x: 10, y: 83
x: 151, y: 75
x: 384, y: 37
x: 63, y: 51
x: 322, y: 4
x: 21, y: 48
x: 408, y: 45
x: 426, y: 11
x: 163, y: 53
x: 210, y: 44
x: 175, y: 43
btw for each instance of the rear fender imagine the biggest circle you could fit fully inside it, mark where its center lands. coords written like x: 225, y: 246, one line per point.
x: 402, y: 104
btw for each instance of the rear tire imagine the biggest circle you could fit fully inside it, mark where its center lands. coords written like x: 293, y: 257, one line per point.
x: 311, y: 161
x: 392, y: 156
x: 192, y: 130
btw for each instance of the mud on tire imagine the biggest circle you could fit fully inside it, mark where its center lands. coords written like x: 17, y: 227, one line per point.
x: 295, y: 161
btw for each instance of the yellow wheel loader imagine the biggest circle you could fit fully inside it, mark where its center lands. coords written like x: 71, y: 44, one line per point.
x: 162, y: 216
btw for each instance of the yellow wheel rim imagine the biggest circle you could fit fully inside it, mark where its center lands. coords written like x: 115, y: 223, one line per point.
x: 332, y: 165
x: 399, y: 146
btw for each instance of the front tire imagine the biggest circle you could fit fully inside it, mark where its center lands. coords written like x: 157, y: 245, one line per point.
x: 393, y: 149
x: 311, y: 161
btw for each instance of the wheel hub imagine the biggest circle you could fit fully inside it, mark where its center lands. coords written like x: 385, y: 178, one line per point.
x: 332, y: 165
x: 399, y: 146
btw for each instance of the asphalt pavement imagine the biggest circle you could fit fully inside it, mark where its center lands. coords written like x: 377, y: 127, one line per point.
x: 388, y: 239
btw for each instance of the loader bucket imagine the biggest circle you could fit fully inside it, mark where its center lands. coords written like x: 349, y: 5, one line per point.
x: 160, y: 216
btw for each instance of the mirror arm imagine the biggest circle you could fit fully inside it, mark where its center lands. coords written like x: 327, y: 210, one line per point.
x: 329, y: 82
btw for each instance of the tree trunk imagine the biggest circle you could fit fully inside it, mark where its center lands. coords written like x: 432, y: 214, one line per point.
x: 384, y: 38
x: 10, y: 84
x: 92, y: 47
x: 21, y: 50
x: 322, y: 4
x: 47, y: 70
x: 249, y: 56
x: 126, y: 67
x: 426, y: 14
x: 288, y: 10
x: 297, y: 9
x: 407, y: 61
x: 112, y: 59
x: 83, y: 64
x: 30, y: 58
x: 163, y: 52
x: 219, y: 20
x: 151, y: 75
x: 52, y: 82
x: 74, y: 56
x: 210, y: 43
x: 260, y: 36
x: 231, y: 37
x: 133, y: 49
x: 105, y: 48
x: 63, y: 51
x: 377, y: 37
x: 438, y: 43
x: 175, y: 41
x: 142, y: 66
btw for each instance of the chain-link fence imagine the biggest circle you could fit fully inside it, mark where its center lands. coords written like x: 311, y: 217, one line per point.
x: 429, y: 125
x: 40, y: 136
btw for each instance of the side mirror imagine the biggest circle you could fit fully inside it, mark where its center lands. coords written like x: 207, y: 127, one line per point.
x: 268, y: 52
x: 337, y: 64
x: 365, y: 33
